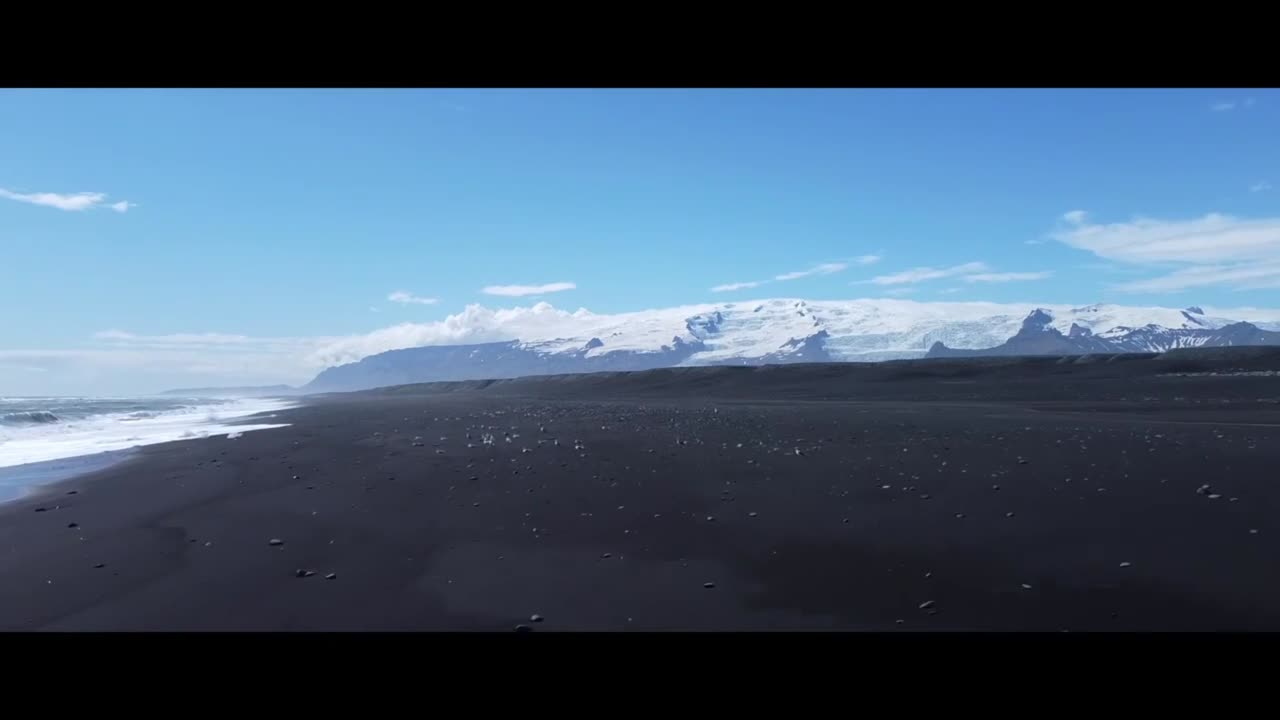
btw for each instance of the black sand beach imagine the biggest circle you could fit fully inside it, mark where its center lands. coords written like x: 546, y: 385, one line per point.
x: 954, y: 495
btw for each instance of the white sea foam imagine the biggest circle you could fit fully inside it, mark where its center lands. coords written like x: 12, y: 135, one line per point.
x: 38, y: 442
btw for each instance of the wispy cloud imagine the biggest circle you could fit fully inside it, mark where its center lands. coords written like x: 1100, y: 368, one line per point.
x: 823, y: 269
x: 829, y: 268
x: 1260, y: 186
x: 950, y: 290
x: 1004, y: 277
x: 523, y: 290
x: 1240, y: 277
x: 1214, y: 250
x: 921, y: 274
x: 730, y: 287
x: 1229, y: 105
x: 899, y: 291
x: 71, y: 202
x: 405, y: 298
x: 1075, y: 217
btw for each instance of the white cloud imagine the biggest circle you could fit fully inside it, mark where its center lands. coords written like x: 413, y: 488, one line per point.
x: 1214, y: 250
x: 71, y: 202
x: 823, y: 269
x: 1075, y: 217
x: 1229, y: 105
x: 1003, y: 277
x: 1239, y: 277
x: 1260, y: 186
x: 1213, y: 238
x: 730, y: 287
x: 523, y: 290
x: 475, y: 324
x: 405, y: 298
x: 866, y: 260
x: 921, y: 274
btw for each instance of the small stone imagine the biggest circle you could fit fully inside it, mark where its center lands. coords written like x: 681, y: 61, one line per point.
x: 898, y: 621
x: 303, y: 573
x: 42, y: 509
x: 1125, y: 564
x: 99, y: 566
x: 76, y: 525
x: 275, y: 542
x: 72, y: 492
x: 606, y: 556
x: 1026, y: 586
x: 927, y: 604
x: 535, y: 618
x: 708, y: 585
x: 995, y: 487
x: 711, y: 518
x: 1253, y: 531
x: 295, y: 477
x: 924, y: 496
x: 1008, y: 514
x: 752, y: 514
x: 1214, y: 496
x: 331, y: 576
x: 1204, y: 489
x: 960, y: 516
x: 523, y: 628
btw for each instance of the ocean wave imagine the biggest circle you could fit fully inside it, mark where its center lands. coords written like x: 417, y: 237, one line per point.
x: 35, y: 417
x: 45, y: 429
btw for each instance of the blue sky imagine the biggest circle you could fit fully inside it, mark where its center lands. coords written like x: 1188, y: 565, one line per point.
x: 298, y: 214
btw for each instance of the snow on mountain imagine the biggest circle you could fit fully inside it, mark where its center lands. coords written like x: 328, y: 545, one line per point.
x: 482, y: 343
x: 867, y: 329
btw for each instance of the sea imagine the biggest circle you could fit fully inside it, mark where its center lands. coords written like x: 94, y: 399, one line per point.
x: 44, y: 438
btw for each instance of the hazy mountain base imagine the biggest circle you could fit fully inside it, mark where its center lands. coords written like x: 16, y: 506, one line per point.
x: 1133, y: 377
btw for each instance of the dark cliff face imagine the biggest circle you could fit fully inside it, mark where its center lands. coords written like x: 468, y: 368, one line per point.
x: 488, y: 361
x: 1036, y: 337
x: 810, y: 349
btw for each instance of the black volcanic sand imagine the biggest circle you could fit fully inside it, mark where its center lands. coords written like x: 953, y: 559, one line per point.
x: 683, y: 500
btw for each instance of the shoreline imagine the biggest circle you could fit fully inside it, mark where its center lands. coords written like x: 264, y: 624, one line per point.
x: 29, y: 481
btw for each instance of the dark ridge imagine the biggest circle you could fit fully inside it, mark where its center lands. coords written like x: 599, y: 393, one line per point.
x: 1038, y: 337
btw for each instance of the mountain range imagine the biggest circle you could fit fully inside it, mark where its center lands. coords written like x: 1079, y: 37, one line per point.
x: 549, y: 341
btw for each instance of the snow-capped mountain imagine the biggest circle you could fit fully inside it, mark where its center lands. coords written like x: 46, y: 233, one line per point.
x: 1039, y: 336
x: 544, y: 340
